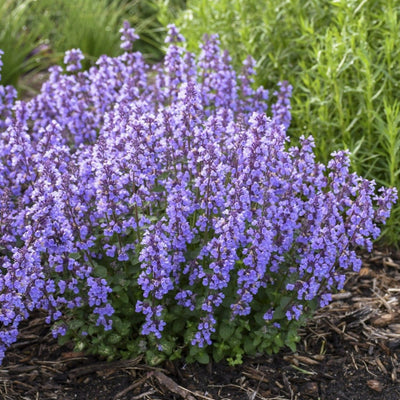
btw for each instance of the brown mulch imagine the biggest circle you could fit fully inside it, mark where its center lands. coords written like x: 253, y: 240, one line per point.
x: 349, y: 350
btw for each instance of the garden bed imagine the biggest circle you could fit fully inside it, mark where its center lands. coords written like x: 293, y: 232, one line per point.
x: 139, y: 198
x: 349, y: 350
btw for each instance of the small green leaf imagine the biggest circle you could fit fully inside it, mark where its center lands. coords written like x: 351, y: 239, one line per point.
x: 202, y: 357
x: 167, y: 346
x: 122, y: 327
x: 106, y: 351
x: 154, y: 358
x: 75, y: 324
x: 278, y: 341
x: 75, y: 256
x: 284, y: 301
x: 117, y: 289
x: 249, y: 346
x: 92, y: 329
x: 218, y: 354
x: 100, y: 271
x: 63, y: 340
x: 178, y: 326
x: 226, y: 331
x: 123, y: 298
x: 114, y: 338
x: 236, y: 360
x: 79, y: 346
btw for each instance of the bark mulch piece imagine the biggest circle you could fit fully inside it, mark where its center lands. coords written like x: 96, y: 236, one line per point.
x: 349, y: 350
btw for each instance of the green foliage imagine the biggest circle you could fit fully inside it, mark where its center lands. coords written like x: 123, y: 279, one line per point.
x: 340, y: 56
x: 20, y: 41
x: 232, y: 338
x: 93, y: 26
x: 36, y: 34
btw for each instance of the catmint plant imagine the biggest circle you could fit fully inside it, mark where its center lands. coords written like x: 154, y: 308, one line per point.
x: 159, y: 210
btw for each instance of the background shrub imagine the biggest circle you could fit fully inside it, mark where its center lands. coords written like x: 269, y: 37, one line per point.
x: 36, y: 34
x: 93, y: 25
x: 341, y: 58
x: 19, y: 40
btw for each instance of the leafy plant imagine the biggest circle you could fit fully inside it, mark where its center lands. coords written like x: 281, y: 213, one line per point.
x: 159, y: 211
x: 341, y: 58
x: 92, y: 26
x: 19, y: 41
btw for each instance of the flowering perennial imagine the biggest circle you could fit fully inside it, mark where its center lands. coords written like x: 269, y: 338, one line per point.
x: 170, y: 187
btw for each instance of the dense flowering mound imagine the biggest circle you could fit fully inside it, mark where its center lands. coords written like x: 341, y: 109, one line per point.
x: 158, y: 210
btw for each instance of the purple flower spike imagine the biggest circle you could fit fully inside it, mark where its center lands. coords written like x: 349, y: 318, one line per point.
x: 128, y: 36
x: 73, y: 60
x: 173, y: 35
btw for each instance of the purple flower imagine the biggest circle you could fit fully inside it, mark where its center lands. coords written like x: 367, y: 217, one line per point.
x: 128, y: 36
x: 73, y: 59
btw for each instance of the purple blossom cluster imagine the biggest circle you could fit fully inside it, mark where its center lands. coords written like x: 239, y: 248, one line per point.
x: 8, y: 94
x: 178, y: 167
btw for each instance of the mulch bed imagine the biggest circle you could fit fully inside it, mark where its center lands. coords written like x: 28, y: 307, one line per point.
x: 349, y: 350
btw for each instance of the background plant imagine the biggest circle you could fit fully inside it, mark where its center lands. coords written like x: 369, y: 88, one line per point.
x: 342, y: 60
x: 163, y: 202
x: 92, y: 26
x: 36, y: 34
x: 19, y: 40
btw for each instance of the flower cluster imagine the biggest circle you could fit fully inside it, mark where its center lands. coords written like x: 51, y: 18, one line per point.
x: 8, y: 94
x: 168, y: 187
x: 128, y: 36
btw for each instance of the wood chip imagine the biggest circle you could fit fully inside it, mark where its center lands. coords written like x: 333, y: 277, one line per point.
x: 172, y: 386
x: 306, y: 360
x: 133, y: 386
x: 341, y: 296
x: 384, y: 320
x: 388, y: 262
x: 102, y: 366
x: 366, y: 272
x: 380, y: 365
x: 310, y: 389
x: 375, y: 385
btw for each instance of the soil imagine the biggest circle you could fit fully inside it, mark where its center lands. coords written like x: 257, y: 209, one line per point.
x: 349, y: 350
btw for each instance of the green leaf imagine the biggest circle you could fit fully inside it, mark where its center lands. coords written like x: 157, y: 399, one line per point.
x: 122, y: 327
x: 178, y: 326
x: 154, y: 358
x: 279, y: 313
x: 226, y: 331
x: 218, y: 354
x: 114, y: 338
x: 278, y: 341
x: 236, y: 360
x: 117, y: 289
x: 106, y: 351
x: 92, y: 329
x: 284, y: 301
x: 75, y: 256
x: 62, y: 340
x: 257, y: 338
x: 75, y: 324
x: 249, y: 346
x: 168, y: 346
x: 123, y: 298
x: 99, y: 270
x: 292, y: 345
x: 79, y: 346
x: 202, y: 358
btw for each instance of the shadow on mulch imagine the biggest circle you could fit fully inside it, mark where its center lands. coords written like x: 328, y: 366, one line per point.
x: 349, y: 350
